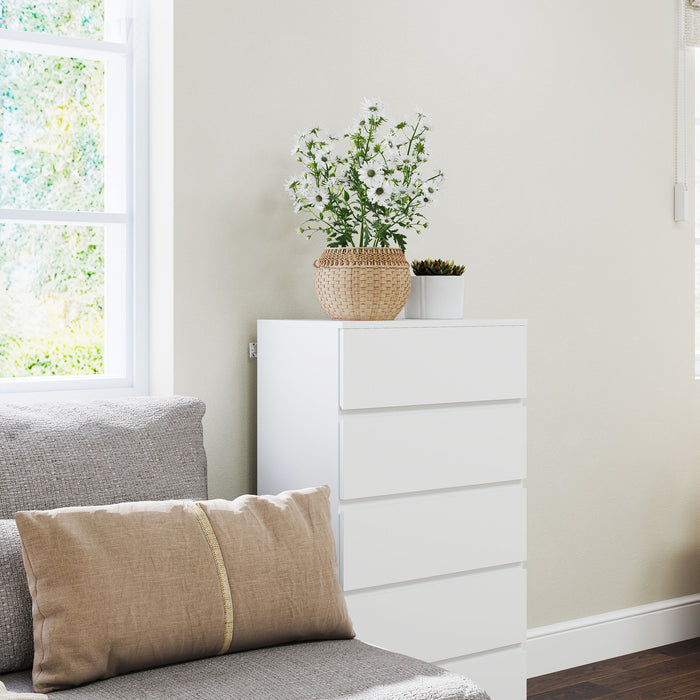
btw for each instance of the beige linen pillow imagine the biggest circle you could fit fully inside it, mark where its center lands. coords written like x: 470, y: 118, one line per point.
x: 135, y: 585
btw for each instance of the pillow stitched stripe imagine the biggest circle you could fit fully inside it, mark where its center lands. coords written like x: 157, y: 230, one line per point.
x: 213, y: 543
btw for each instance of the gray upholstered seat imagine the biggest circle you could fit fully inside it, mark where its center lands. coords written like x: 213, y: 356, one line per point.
x: 345, y: 669
x: 54, y: 455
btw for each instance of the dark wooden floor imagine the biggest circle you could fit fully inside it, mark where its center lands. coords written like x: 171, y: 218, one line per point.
x: 665, y: 673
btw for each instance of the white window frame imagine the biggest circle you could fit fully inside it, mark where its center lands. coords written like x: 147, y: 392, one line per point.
x: 126, y: 298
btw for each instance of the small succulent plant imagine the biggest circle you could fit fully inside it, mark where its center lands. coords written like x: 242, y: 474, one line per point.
x: 436, y: 267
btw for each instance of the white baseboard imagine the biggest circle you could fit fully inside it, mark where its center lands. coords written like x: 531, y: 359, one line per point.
x: 583, y: 641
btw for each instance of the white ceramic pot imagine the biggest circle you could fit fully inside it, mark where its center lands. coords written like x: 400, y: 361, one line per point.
x: 436, y: 296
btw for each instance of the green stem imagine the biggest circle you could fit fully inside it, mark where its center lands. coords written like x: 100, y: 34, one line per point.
x: 362, y: 223
x: 413, y: 135
x: 370, y: 131
x: 327, y: 224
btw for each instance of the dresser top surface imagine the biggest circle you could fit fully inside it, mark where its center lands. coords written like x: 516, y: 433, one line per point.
x: 403, y: 323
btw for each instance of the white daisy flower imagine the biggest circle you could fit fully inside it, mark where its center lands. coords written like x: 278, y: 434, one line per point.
x: 427, y: 197
x: 370, y: 174
x: 380, y: 192
x: 385, y: 220
x: 318, y: 198
x: 323, y: 158
x: 372, y: 107
x: 358, y: 124
x: 403, y: 160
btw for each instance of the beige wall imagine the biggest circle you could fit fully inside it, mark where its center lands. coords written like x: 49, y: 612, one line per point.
x: 554, y: 123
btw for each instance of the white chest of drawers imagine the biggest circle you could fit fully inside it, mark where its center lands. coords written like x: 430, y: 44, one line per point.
x: 418, y: 427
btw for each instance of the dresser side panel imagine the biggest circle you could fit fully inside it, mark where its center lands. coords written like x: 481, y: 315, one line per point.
x: 298, y: 407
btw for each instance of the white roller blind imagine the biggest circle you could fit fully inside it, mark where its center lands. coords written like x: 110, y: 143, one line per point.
x: 692, y: 22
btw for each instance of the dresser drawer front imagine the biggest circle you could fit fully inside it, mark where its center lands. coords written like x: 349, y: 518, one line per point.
x: 404, y: 367
x: 502, y: 674
x: 405, y: 450
x: 445, y: 618
x: 429, y: 535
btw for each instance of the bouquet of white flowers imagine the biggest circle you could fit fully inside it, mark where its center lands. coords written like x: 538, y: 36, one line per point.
x: 374, y: 191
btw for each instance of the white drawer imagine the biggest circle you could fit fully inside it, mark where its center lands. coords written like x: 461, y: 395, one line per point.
x: 403, y: 450
x: 401, y: 539
x: 502, y: 674
x: 394, y: 367
x: 444, y: 618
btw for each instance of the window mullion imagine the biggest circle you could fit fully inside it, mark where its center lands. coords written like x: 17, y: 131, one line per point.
x: 77, y: 218
x: 53, y: 45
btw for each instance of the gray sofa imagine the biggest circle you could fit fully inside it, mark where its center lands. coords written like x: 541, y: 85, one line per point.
x: 99, y: 453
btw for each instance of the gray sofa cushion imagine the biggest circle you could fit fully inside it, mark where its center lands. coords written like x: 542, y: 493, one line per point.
x: 100, y: 452
x: 346, y: 669
x: 16, y: 648
x: 80, y: 453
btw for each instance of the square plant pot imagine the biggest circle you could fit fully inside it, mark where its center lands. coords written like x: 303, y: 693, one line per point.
x: 436, y: 296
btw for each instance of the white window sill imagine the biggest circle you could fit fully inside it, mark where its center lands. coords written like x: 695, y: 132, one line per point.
x: 33, y: 389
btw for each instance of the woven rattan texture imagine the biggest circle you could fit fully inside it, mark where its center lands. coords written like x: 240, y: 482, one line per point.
x: 345, y: 669
x: 362, y: 284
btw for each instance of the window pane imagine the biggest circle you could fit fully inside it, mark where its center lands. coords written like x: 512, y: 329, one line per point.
x: 80, y: 18
x: 51, y: 300
x: 52, y: 129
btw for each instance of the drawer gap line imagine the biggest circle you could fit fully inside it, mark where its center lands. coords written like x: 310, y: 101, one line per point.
x: 427, y: 406
x: 418, y: 494
x: 511, y: 565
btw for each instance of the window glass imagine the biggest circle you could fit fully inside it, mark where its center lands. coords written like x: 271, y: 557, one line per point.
x: 73, y: 232
x: 52, y: 132
x: 81, y: 18
x: 52, y: 299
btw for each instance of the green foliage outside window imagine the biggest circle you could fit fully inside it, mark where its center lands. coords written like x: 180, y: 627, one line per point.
x: 51, y: 132
x: 81, y: 18
x: 51, y: 300
x: 52, y: 126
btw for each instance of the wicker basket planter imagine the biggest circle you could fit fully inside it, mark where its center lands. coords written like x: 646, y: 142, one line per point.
x: 362, y: 284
